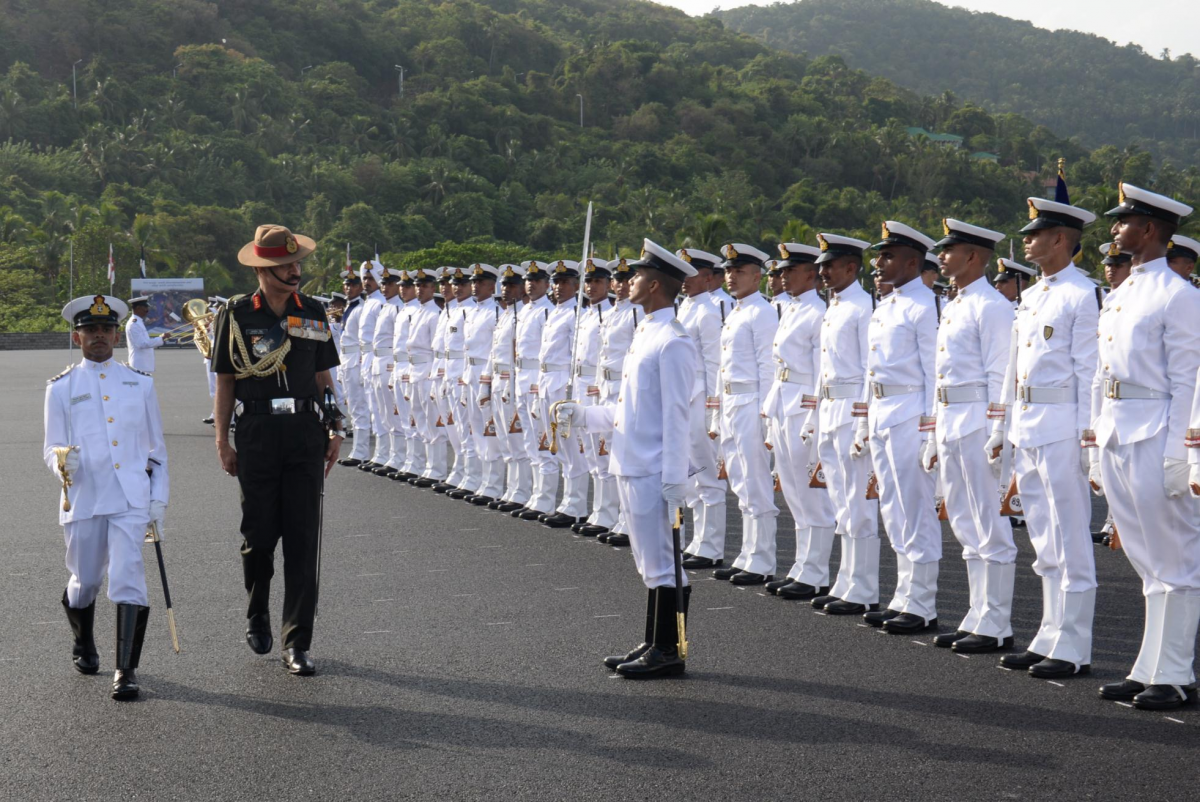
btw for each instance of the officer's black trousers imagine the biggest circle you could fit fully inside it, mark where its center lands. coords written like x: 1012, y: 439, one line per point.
x: 281, y: 465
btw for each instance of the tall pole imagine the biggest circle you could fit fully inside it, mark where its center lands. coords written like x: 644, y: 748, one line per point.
x: 74, y: 96
x: 580, y: 109
x: 400, y: 70
x: 71, y: 287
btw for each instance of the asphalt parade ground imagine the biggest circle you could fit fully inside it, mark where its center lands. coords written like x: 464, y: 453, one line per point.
x: 458, y: 655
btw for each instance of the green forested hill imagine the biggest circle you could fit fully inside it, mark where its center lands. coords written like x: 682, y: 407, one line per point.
x: 1078, y: 84
x: 196, y: 120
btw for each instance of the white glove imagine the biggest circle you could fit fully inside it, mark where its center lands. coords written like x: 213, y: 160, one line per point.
x: 674, y: 495
x: 860, y: 439
x: 1194, y: 480
x: 567, y: 413
x: 72, y: 461
x: 158, y: 509
x: 1175, y: 477
x: 995, y: 441
x: 1094, y: 472
x: 928, y: 455
x: 806, y: 433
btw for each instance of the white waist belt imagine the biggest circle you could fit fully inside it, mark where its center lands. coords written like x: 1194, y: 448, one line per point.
x: 835, y: 391
x: 888, y: 390
x: 960, y: 395
x: 500, y: 366
x: 383, y: 352
x: 455, y: 354
x: 527, y: 364
x: 439, y: 354
x: 789, y: 376
x: 420, y: 359
x: 740, y: 388
x: 1117, y: 389
x: 585, y: 371
x: 400, y: 357
x: 350, y: 349
x: 1045, y: 395
x: 476, y: 360
x: 551, y: 367
x: 610, y: 374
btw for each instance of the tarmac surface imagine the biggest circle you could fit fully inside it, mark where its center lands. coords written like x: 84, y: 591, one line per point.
x: 458, y: 654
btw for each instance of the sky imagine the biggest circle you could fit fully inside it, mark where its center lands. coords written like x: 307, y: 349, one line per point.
x: 1156, y: 24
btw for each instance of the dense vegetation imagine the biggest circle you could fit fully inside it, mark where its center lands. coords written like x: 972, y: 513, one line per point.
x: 197, y: 120
x: 1078, y: 84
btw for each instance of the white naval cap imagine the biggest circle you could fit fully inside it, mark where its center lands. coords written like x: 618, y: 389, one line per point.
x: 535, y: 269
x: 698, y: 258
x: 1052, y: 214
x: 349, y: 275
x: 1135, y: 200
x: 1113, y: 255
x: 596, y: 268
x: 565, y: 268
x: 511, y: 274
x: 481, y: 270
x: 1008, y: 268
x: 656, y: 257
x: 955, y: 231
x: 896, y: 233
x: 833, y: 246
x: 772, y: 267
x: 94, y: 309
x: 1183, y: 246
x: 426, y: 274
x: 455, y: 274
x: 796, y: 253
x: 337, y: 296
x: 931, y: 262
x: 739, y: 253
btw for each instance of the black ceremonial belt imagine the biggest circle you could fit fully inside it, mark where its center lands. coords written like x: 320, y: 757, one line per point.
x: 278, y: 406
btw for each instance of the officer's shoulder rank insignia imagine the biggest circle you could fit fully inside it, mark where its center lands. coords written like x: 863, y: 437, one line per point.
x: 678, y: 328
x: 1047, y: 331
x: 135, y: 370
x: 237, y: 300
x: 53, y: 379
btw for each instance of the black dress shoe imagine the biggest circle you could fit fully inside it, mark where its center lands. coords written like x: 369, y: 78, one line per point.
x: 575, y: 527
x: 479, y: 501
x: 726, y: 573
x: 1165, y: 697
x: 820, y: 602
x: 653, y: 663
x: 843, y: 607
x: 368, y: 465
x: 442, y: 487
x: 423, y: 482
x: 496, y: 504
x: 350, y: 462
x: 747, y: 578
x: 981, y: 644
x: 876, y: 618
x: 692, y: 561
x: 593, y: 530
x: 1022, y: 661
x: 209, y: 420
x: 1122, y: 691
x: 258, y: 633
x: 511, y: 506
x: 1098, y: 538
x: 619, y: 539
x: 1057, y: 669
x: 908, y: 624
x: 458, y: 493
x: 946, y: 639
x: 613, y: 661
x: 802, y: 591
x: 773, y: 587
x: 603, y: 538
x: 400, y: 476
x: 529, y: 515
x: 297, y: 662
x: 385, y: 470
x: 559, y: 520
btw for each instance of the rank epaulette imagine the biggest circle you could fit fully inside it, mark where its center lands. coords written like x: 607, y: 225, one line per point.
x: 53, y: 379
x: 237, y: 300
x: 678, y: 328
x: 135, y: 370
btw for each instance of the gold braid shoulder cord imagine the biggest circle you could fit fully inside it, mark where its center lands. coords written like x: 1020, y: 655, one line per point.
x: 269, y: 365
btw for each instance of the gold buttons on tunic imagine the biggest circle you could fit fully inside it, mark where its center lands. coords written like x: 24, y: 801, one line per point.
x: 117, y: 466
x: 110, y: 420
x: 941, y: 375
x: 102, y: 375
x: 105, y: 398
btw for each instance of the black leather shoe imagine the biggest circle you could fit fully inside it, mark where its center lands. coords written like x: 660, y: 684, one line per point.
x: 209, y: 420
x: 694, y: 562
x: 946, y: 639
x: 385, y: 470
x: 423, y: 482
x: 480, y: 501
x: 368, y: 465
x: 876, y: 618
x: 749, y: 578
x: 726, y: 573
x: 593, y: 530
x: 82, y: 620
x: 653, y: 663
x: 1022, y: 661
x: 820, y: 602
x: 404, y: 476
x: 496, y: 504
x: 528, y: 515
x: 125, y: 685
x: 843, y: 607
x: 773, y: 587
x: 613, y: 661
x: 1165, y: 697
x: 458, y: 493
x: 619, y: 539
x: 559, y: 520
x: 575, y: 527
x: 350, y: 462
x: 258, y: 633
x: 443, y: 487
x: 511, y: 506
x: 603, y: 538
x: 1122, y: 691
x: 908, y: 624
x: 801, y: 591
x: 981, y: 644
x: 1057, y: 669
x: 297, y: 662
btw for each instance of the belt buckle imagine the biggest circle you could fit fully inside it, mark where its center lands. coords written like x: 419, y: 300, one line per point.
x: 784, y: 374
x: 825, y: 392
x: 942, y: 397
x: 1113, y: 390
x: 1026, y: 394
x: 877, y: 389
x: 728, y: 388
x: 283, y: 406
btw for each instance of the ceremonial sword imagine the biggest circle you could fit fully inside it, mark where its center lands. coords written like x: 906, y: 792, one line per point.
x: 676, y: 521
x: 156, y: 538
x: 587, y: 236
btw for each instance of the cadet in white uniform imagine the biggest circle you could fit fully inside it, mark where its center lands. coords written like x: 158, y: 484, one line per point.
x: 701, y: 316
x: 974, y: 340
x: 791, y: 407
x: 648, y: 420
x: 510, y: 438
x: 477, y: 342
x: 429, y: 461
x: 1182, y: 253
x: 746, y: 376
x: 441, y: 387
x: 104, y: 442
x: 372, y: 275
x: 141, y: 345
x: 466, y: 461
x: 597, y: 280
x: 535, y: 428
x: 336, y: 312
x: 390, y: 435
x: 350, y: 373
x: 1149, y: 355
x: 1048, y: 394
x: 901, y: 376
x: 408, y: 454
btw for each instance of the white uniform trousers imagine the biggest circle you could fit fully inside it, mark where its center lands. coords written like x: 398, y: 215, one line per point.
x: 568, y: 460
x: 450, y: 412
x: 360, y: 413
x: 383, y: 417
x: 650, y: 537
x: 401, y: 420
x: 512, y: 446
x: 107, y: 544
x: 747, y: 461
x: 909, y: 517
x: 544, y: 467
x: 972, y: 496
x: 464, y: 419
x: 429, y: 459
x: 604, y: 488
x: 811, y: 509
x: 857, y: 516
x: 1161, y: 539
x: 1058, y: 514
x: 490, y: 464
x: 706, y: 493
x: 339, y: 391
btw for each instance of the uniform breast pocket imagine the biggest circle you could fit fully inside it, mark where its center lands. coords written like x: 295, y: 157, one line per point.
x: 133, y: 413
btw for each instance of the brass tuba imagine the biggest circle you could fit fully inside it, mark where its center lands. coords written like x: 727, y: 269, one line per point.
x: 196, y: 312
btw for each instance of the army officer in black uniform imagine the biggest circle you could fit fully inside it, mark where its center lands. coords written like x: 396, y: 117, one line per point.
x: 272, y: 353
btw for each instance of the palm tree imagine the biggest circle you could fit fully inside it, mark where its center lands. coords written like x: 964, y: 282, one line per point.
x: 707, y: 232
x: 13, y: 228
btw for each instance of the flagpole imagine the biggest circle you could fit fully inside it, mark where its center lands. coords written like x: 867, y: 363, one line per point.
x: 71, y: 289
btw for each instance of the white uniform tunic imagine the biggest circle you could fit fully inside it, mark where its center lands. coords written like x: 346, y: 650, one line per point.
x: 648, y: 418
x: 501, y: 370
x: 974, y: 340
x: 746, y: 376
x: 351, y: 375
x: 1049, y: 384
x: 422, y: 388
x: 530, y: 324
x: 382, y: 367
x: 481, y: 323
x: 620, y: 325
x: 1150, y: 343
x: 706, y: 493
x: 791, y: 407
x: 111, y: 412
x: 555, y: 372
x: 467, y: 461
x: 141, y: 345
x: 587, y: 392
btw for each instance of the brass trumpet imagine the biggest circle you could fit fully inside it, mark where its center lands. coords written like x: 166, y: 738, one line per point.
x: 195, y: 328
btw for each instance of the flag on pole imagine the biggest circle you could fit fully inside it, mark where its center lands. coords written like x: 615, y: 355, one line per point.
x: 112, y: 268
x: 142, y: 262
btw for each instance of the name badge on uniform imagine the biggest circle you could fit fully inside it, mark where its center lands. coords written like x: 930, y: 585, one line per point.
x: 453, y: 329
x: 307, y: 328
x: 131, y: 384
x: 80, y: 398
